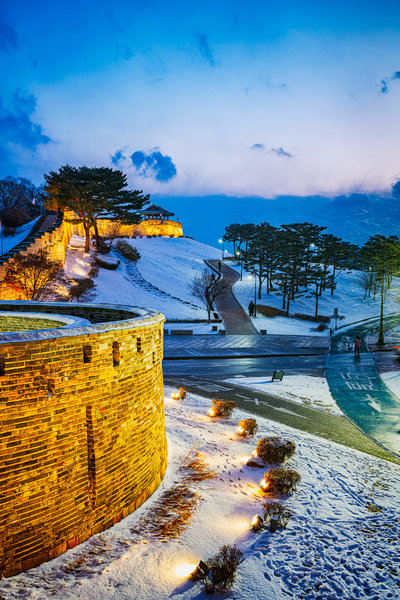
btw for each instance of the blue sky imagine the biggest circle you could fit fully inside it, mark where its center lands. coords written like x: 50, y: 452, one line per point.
x: 196, y: 98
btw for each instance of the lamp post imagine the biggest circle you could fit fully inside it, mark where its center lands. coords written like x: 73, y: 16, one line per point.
x: 239, y: 255
x: 222, y: 241
x: 255, y: 295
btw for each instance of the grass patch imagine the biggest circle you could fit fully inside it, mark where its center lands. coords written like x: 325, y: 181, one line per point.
x: 172, y: 512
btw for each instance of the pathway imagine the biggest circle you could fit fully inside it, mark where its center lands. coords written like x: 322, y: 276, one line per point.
x: 134, y: 276
x: 234, y: 317
x: 227, y: 346
x: 360, y: 392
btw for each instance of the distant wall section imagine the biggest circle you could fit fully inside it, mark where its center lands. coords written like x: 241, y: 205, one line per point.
x: 82, y: 430
x: 158, y: 227
x: 53, y: 236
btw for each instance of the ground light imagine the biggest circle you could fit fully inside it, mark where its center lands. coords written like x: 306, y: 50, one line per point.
x: 256, y: 523
x: 240, y: 430
x: 264, y: 483
x: 200, y: 571
x: 212, y: 412
x: 185, y: 570
x: 179, y: 395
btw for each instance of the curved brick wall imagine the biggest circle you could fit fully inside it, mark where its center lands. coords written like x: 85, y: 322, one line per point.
x: 82, y: 432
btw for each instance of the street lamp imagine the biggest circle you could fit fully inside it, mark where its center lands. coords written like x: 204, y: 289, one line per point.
x: 239, y: 255
x: 222, y: 241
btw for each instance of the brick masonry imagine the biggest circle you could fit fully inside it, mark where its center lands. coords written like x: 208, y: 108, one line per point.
x: 82, y: 431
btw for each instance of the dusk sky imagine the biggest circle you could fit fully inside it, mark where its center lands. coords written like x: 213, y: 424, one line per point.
x: 197, y: 97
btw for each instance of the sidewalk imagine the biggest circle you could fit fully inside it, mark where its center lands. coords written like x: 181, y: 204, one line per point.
x: 234, y: 346
x: 358, y: 389
x: 234, y: 317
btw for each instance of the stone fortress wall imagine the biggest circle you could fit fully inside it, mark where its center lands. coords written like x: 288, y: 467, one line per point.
x: 55, y: 232
x: 52, y: 234
x: 82, y: 431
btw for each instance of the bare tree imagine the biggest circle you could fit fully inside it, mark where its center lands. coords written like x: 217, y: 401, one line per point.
x: 33, y: 274
x: 207, y: 288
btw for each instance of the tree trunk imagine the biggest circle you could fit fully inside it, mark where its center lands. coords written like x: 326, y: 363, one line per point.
x: 96, y: 233
x: 381, y: 341
x: 86, y: 227
x: 316, y: 301
x: 333, y: 279
x: 287, y: 305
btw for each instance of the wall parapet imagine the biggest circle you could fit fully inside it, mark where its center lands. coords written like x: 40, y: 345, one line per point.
x: 82, y: 430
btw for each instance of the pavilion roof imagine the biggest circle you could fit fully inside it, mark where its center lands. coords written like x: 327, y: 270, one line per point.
x: 158, y: 210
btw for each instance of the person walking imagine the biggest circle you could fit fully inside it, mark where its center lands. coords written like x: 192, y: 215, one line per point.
x: 357, y: 346
x: 251, y: 308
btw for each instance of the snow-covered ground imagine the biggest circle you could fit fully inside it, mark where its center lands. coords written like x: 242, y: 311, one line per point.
x: 160, y: 280
x: 303, y: 389
x: 347, y: 297
x: 342, y: 542
x: 20, y: 234
x: 392, y: 380
x: 168, y: 265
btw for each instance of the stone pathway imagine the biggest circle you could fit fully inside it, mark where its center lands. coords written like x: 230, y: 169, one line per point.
x: 243, y: 345
x: 134, y: 276
x: 234, y: 317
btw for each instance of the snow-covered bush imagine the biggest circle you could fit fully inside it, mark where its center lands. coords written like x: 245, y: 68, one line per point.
x: 277, y: 510
x: 127, y: 251
x: 222, y: 408
x: 223, y: 567
x: 275, y: 450
x: 247, y: 427
x: 281, y: 480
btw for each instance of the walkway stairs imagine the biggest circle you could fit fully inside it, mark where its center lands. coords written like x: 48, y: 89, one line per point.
x: 134, y: 276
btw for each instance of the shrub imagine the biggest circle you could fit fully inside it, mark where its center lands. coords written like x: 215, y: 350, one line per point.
x: 222, y: 408
x: 275, y: 450
x: 127, y: 251
x: 82, y: 290
x: 270, y: 311
x: 102, y: 246
x: 282, y: 481
x: 247, y: 427
x: 277, y: 510
x: 94, y: 270
x: 321, y: 327
x: 223, y: 566
x: 318, y: 319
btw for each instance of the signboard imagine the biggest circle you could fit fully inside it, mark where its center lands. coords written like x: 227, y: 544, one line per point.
x: 278, y: 375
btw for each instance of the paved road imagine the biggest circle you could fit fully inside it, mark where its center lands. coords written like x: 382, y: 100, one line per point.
x: 337, y: 429
x: 360, y: 392
x: 218, y: 369
x: 234, y: 317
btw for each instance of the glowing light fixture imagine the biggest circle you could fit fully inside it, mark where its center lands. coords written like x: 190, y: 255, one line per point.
x: 185, y: 570
x: 256, y: 523
x: 200, y: 571
x: 264, y: 484
x: 212, y: 412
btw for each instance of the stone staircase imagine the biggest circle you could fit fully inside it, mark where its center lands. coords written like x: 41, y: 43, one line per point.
x: 134, y: 276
